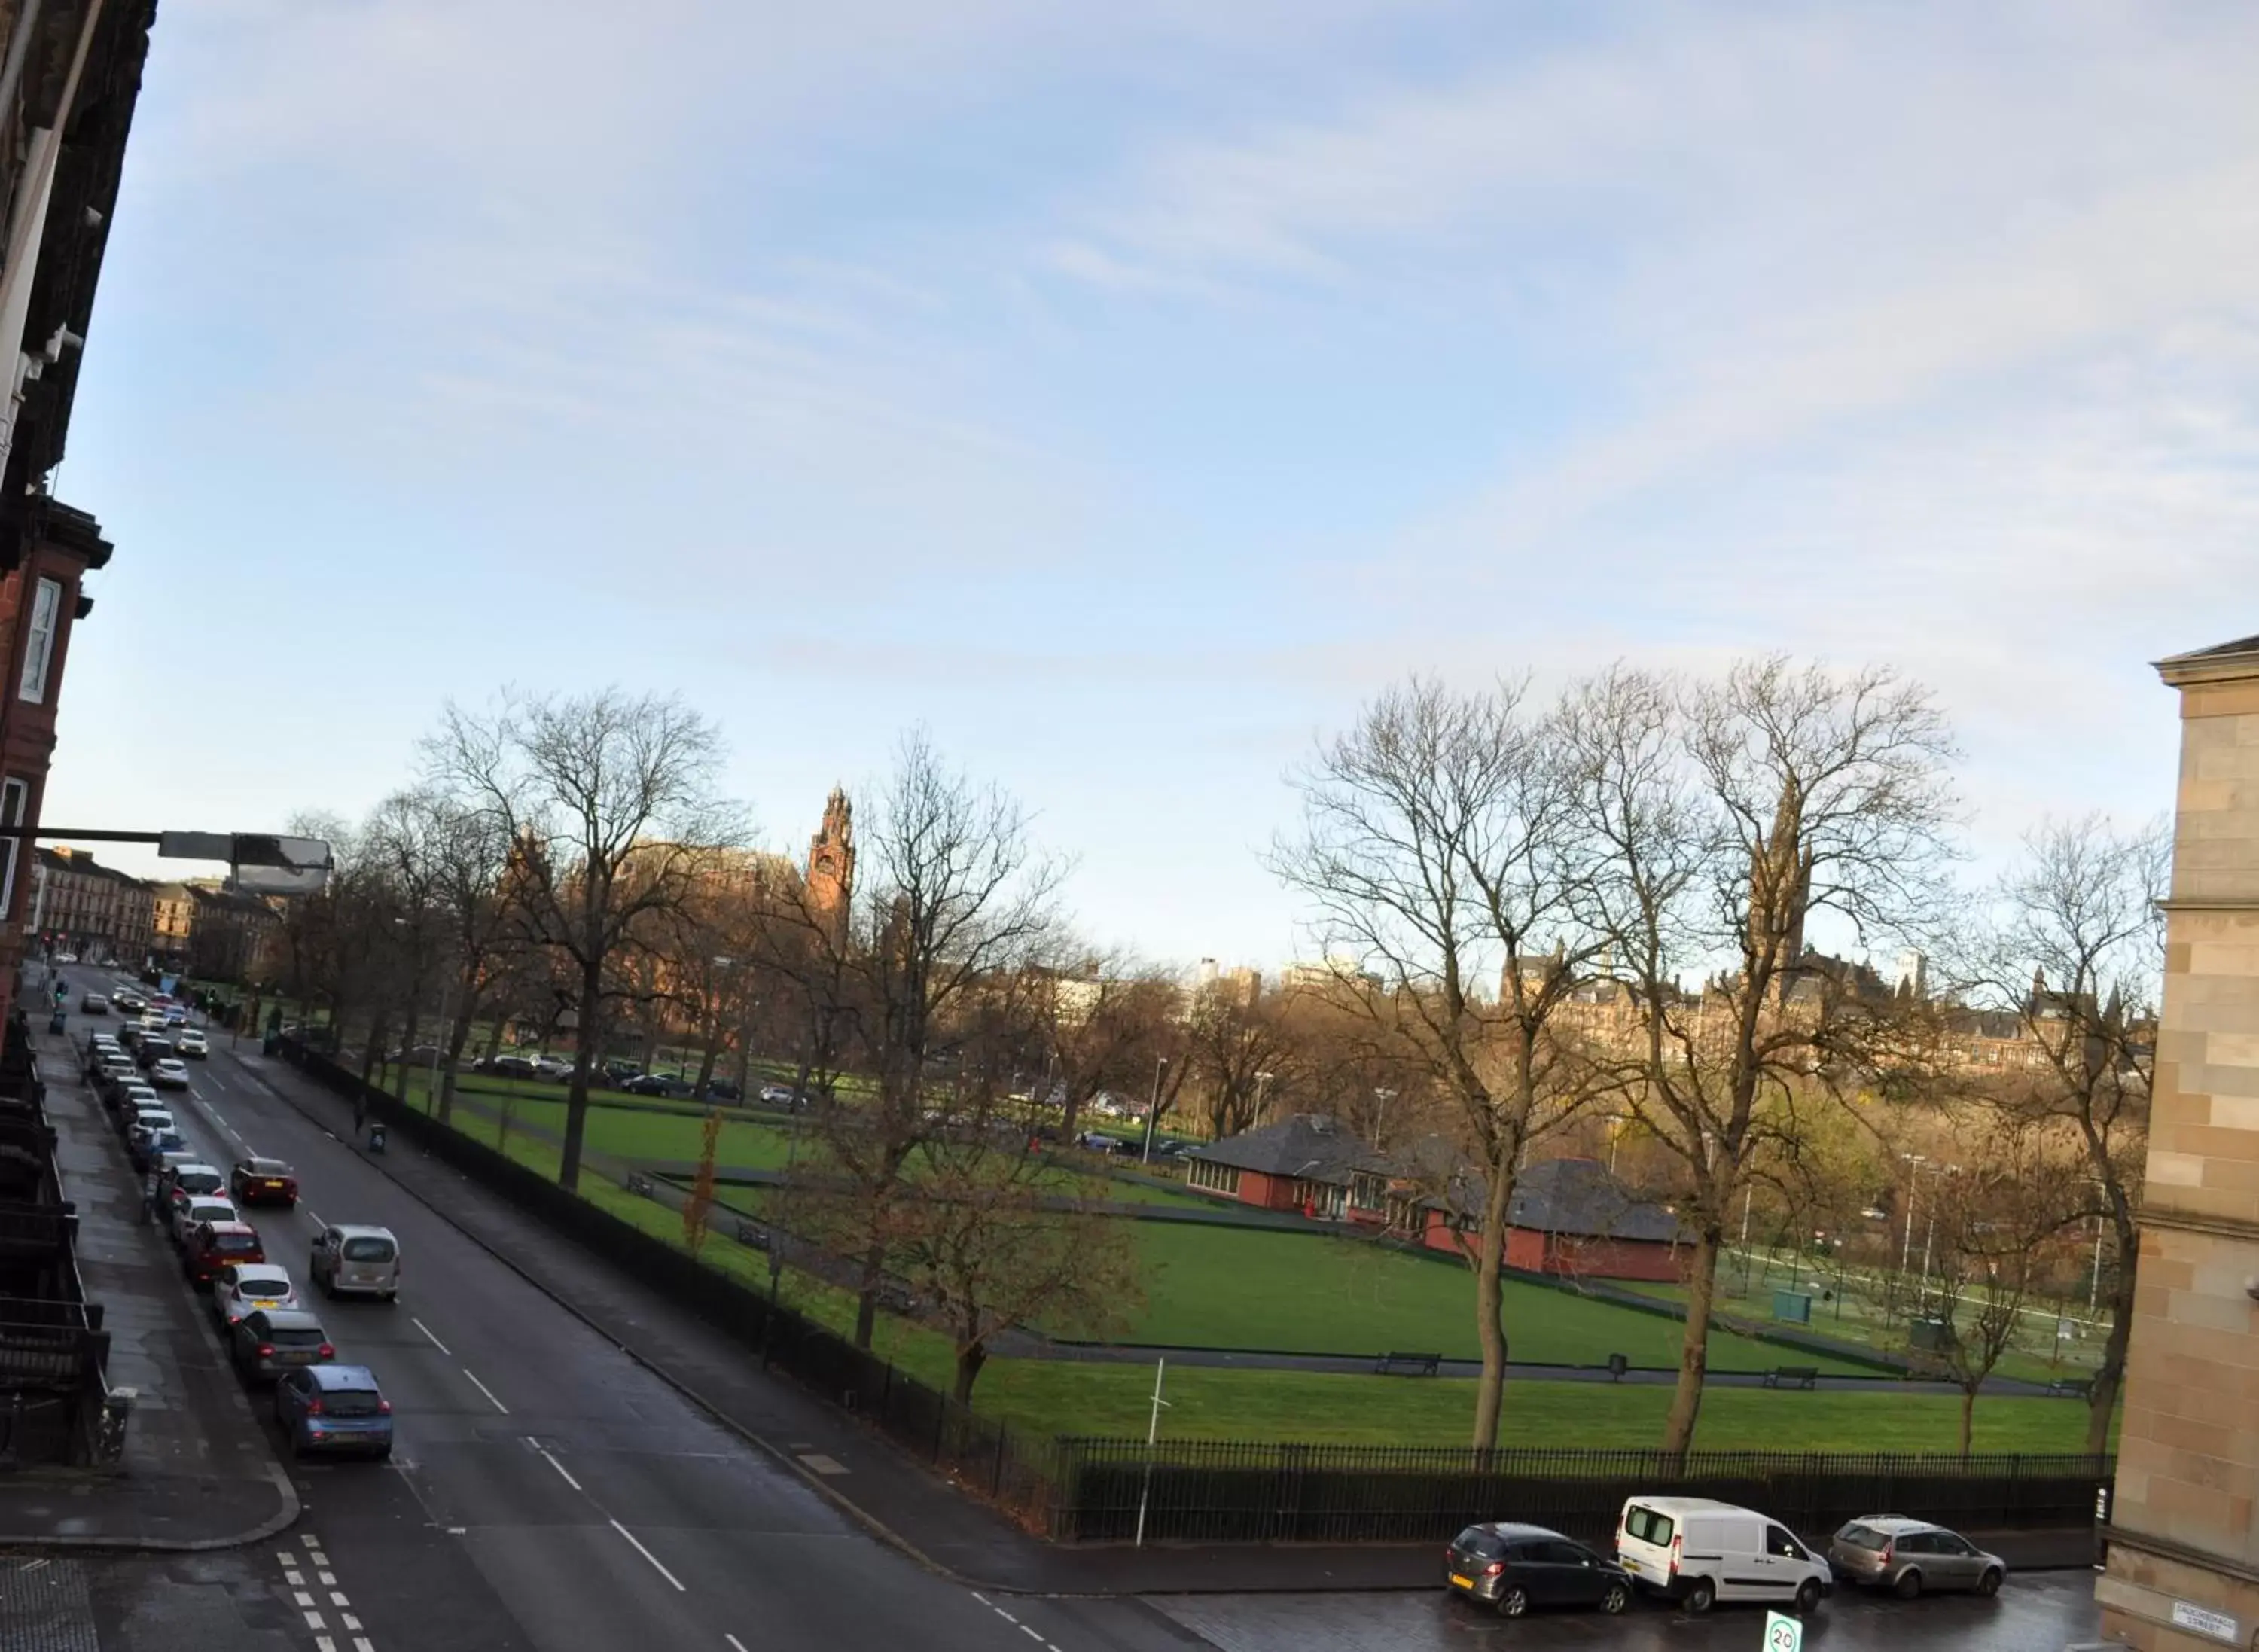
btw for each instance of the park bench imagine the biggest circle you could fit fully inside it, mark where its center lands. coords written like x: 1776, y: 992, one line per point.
x: 1407, y: 1364
x: 636, y: 1183
x: 1793, y: 1377
x: 2070, y: 1388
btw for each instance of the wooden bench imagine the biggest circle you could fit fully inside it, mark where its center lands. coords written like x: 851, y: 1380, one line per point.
x: 1407, y: 1364
x: 2071, y: 1388
x: 1793, y: 1377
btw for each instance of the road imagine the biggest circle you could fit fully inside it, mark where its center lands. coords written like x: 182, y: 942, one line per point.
x: 548, y: 1494
x: 545, y: 1492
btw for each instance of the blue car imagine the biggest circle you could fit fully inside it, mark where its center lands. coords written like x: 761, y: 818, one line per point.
x: 334, y: 1408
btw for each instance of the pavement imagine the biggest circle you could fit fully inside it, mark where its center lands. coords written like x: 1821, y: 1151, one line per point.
x: 196, y: 1472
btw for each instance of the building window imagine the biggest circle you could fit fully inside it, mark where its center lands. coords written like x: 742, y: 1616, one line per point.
x: 39, y: 641
x: 1212, y: 1176
x: 14, y: 795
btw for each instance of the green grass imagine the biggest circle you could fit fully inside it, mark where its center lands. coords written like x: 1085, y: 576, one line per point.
x: 1236, y: 1287
x: 1048, y: 1398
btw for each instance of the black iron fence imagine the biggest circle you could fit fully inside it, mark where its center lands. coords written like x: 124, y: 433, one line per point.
x: 978, y: 1452
x: 1233, y: 1491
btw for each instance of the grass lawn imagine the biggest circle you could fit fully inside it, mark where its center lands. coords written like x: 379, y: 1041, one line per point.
x: 1053, y: 1396
x: 1233, y: 1287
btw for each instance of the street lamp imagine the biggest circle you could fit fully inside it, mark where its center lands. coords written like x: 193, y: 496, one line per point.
x: 1154, y: 1108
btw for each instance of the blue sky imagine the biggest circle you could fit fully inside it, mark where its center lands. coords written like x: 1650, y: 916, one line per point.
x: 1128, y: 398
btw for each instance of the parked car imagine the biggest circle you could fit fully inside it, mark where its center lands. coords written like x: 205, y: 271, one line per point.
x: 551, y: 1069
x: 1699, y: 1552
x: 331, y: 1407
x: 720, y: 1090
x: 618, y: 1072
x: 147, y: 1146
x: 776, y: 1095
x: 151, y: 1112
x: 153, y: 1050
x: 128, y: 1002
x: 268, y: 1341
x: 184, y: 1211
x: 662, y: 1084
x: 214, y: 1245
x: 263, y: 1181
x: 190, y: 1175
x: 192, y: 1043
x: 246, y: 1287
x: 1513, y: 1567
x: 1890, y: 1551
x: 507, y: 1066
x: 171, y: 1074
x: 93, y: 1004
x: 132, y: 1096
x: 357, y: 1260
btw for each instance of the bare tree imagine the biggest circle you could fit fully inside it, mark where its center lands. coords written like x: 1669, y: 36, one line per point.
x: 607, y: 803
x: 1440, y: 848
x: 1102, y: 1018
x: 954, y: 911
x: 1728, y: 813
x: 2077, y: 958
x: 1237, y: 1054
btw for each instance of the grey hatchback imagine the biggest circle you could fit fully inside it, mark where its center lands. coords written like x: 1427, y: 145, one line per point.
x: 273, y: 1341
x: 1513, y: 1567
x: 1890, y: 1551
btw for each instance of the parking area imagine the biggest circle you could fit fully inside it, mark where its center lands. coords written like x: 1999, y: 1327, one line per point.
x: 2039, y: 1611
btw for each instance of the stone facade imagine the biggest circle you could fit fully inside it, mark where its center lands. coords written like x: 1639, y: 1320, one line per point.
x: 831, y: 865
x: 2183, y: 1562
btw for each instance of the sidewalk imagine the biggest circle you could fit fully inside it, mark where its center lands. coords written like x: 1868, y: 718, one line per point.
x: 866, y: 1476
x: 196, y: 1472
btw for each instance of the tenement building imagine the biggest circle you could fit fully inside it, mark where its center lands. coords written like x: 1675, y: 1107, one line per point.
x: 2183, y: 1571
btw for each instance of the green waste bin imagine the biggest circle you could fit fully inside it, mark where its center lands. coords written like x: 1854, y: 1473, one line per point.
x: 1793, y: 1306
x: 270, y: 1043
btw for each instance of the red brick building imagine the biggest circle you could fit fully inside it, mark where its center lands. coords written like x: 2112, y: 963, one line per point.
x: 1568, y: 1216
x: 76, y: 69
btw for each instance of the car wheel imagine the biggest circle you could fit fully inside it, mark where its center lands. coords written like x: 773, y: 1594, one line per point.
x: 1701, y: 1595
x: 1989, y: 1584
x: 1909, y: 1583
x: 1807, y: 1595
x: 1513, y: 1601
x: 1617, y: 1599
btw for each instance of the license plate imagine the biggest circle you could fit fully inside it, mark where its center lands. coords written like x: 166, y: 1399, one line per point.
x: 273, y: 1187
x: 300, y: 1356
x: 1463, y: 1583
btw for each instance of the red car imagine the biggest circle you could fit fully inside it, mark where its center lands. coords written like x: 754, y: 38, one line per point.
x: 214, y: 1245
x: 262, y: 1181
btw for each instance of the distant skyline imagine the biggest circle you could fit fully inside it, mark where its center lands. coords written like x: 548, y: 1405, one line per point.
x: 1126, y: 398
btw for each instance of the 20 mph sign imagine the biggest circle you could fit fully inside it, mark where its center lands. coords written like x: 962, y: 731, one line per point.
x: 1783, y: 1635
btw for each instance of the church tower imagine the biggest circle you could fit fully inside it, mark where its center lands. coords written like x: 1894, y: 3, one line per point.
x: 831, y: 863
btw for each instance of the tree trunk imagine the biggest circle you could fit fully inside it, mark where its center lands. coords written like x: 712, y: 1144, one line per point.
x: 707, y: 1057
x: 459, y: 1036
x: 969, y: 1361
x: 2110, y: 1376
x: 586, y: 1042
x: 1694, y: 1350
x: 407, y: 1061
x: 1490, y: 1324
x: 866, y: 1301
x: 1967, y: 1419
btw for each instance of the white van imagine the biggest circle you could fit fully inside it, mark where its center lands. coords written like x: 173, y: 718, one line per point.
x: 1700, y: 1552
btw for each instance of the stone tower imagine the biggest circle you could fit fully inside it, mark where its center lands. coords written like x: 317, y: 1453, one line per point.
x: 831, y: 863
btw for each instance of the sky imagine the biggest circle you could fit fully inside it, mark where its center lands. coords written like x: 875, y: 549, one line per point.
x: 1125, y: 394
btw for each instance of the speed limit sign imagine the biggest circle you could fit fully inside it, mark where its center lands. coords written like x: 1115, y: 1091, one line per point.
x: 1783, y: 1635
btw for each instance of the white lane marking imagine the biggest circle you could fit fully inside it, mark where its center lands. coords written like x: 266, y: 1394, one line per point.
x: 1032, y: 1634
x: 560, y: 1469
x: 314, y: 1621
x: 488, y: 1391
x: 1006, y: 1616
x: 360, y: 1645
x: 336, y: 1599
x: 352, y: 1624
x: 982, y: 1598
x: 287, y: 1556
x: 733, y: 1640
x: 308, y: 1213
x: 295, y: 1579
x: 328, y: 1580
x: 426, y: 1329
x: 653, y: 1558
x: 302, y: 1597
x: 323, y: 1643
x: 822, y: 1464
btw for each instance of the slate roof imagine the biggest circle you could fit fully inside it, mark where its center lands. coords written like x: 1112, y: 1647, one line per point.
x: 1308, y: 1145
x: 1578, y: 1197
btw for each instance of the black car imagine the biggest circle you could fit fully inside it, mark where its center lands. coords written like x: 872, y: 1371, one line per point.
x: 720, y: 1090
x: 657, y: 1084
x: 508, y: 1066
x: 1512, y: 1568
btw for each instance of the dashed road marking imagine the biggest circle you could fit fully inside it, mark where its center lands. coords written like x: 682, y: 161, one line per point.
x: 653, y: 1558
x: 1032, y: 1634
x: 426, y: 1329
x: 314, y: 1622
x: 308, y: 1212
x: 302, y: 1597
x: 488, y: 1391
x: 733, y: 1640
x: 822, y: 1464
x: 561, y: 1469
x: 336, y: 1599
x: 294, y: 1578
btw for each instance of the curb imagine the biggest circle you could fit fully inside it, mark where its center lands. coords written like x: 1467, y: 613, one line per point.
x: 799, y: 1470
x: 281, y: 1521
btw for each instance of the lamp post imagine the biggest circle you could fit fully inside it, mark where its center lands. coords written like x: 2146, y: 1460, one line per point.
x: 1154, y: 1108
x: 776, y: 1247
x: 1914, y: 1185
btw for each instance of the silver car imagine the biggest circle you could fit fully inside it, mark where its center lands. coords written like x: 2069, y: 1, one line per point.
x: 1890, y: 1551
x: 356, y: 1260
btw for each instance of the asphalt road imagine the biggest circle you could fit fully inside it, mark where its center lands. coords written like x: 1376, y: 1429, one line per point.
x: 546, y: 1492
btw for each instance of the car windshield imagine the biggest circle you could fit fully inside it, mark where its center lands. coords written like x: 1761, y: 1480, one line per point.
x: 367, y: 1250
x: 235, y: 1241
x: 1475, y: 1540
x: 1649, y: 1526
x: 269, y: 1167
x: 293, y: 1336
x: 1860, y: 1536
x: 349, y: 1402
